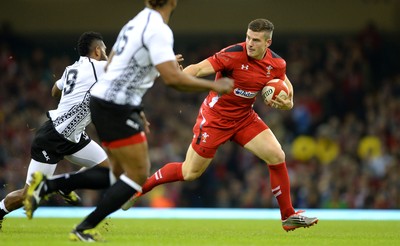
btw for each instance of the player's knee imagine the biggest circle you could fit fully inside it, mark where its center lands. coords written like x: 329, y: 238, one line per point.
x: 276, y: 157
x: 138, y: 178
x: 138, y: 175
x: 191, y: 175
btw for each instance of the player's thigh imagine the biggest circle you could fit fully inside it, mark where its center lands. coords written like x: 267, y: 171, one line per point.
x: 194, y: 164
x: 90, y: 155
x: 134, y: 159
x: 115, y: 167
x: 37, y: 166
x: 266, y: 147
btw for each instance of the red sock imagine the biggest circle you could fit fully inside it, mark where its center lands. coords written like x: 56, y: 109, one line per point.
x: 171, y: 172
x: 280, y: 186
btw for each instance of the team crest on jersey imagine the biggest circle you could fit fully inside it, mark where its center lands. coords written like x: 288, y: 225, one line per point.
x: 269, y: 68
x: 243, y: 93
x: 204, y: 137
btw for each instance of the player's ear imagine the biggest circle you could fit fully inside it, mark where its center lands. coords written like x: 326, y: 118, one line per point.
x: 269, y: 42
x: 97, y: 51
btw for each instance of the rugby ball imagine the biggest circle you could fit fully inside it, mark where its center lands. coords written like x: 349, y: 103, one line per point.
x: 274, y: 88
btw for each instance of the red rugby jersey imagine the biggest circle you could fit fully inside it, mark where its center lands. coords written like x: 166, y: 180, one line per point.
x: 249, y: 75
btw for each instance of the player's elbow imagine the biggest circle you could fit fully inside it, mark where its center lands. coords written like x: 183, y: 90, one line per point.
x: 191, y: 70
x: 55, y: 92
x: 173, y: 79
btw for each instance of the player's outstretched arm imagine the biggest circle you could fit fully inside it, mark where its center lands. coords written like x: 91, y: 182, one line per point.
x: 174, y: 77
x: 201, y: 69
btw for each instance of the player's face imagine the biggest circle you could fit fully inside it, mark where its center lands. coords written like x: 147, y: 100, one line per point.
x: 257, y: 44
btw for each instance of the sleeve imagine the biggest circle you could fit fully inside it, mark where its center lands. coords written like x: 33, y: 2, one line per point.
x: 160, y: 45
x: 60, y: 83
x: 221, y: 61
x: 100, y: 65
x: 281, y: 69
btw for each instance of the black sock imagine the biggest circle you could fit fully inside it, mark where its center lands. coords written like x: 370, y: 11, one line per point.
x: 94, y: 178
x: 2, y: 214
x: 113, y: 199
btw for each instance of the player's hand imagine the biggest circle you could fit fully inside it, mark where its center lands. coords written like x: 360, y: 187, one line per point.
x: 179, y: 59
x: 146, y: 124
x: 223, y: 86
x: 283, y: 103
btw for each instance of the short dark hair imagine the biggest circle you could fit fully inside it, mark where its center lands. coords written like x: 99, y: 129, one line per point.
x: 261, y: 25
x: 85, y: 42
x: 157, y: 3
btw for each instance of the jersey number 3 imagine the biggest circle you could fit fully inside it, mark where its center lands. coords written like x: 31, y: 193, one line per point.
x: 71, y: 80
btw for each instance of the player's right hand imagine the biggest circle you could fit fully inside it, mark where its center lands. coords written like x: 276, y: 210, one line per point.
x: 223, y: 86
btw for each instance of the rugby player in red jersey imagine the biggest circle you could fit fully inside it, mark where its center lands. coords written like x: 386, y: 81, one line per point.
x: 231, y: 117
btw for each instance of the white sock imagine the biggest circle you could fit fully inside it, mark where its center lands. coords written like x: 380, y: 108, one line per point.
x: 131, y: 183
x: 3, y: 206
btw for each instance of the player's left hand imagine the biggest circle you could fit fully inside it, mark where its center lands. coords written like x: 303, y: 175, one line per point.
x: 283, y: 103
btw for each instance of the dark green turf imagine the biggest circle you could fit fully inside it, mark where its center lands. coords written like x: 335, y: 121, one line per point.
x: 149, y: 232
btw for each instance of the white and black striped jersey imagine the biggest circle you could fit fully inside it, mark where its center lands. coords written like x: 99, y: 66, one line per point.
x: 144, y: 42
x: 73, y: 114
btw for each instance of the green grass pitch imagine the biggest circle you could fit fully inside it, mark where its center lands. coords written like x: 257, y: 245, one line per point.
x: 149, y: 232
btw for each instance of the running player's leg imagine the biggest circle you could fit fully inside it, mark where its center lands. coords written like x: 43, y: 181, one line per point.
x: 49, y: 145
x: 44, y: 160
x: 127, y: 147
x: 267, y: 148
x: 208, y: 137
x: 14, y: 200
x: 90, y: 155
x: 92, y: 177
x: 135, y: 161
x: 95, y: 175
x: 258, y: 139
x: 192, y: 168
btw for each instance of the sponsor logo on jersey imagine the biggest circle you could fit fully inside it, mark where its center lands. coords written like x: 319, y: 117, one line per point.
x: 45, y: 155
x: 132, y: 124
x: 243, y: 93
x: 245, y: 67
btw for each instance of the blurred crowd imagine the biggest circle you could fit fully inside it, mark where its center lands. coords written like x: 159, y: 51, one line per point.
x: 342, y: 139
